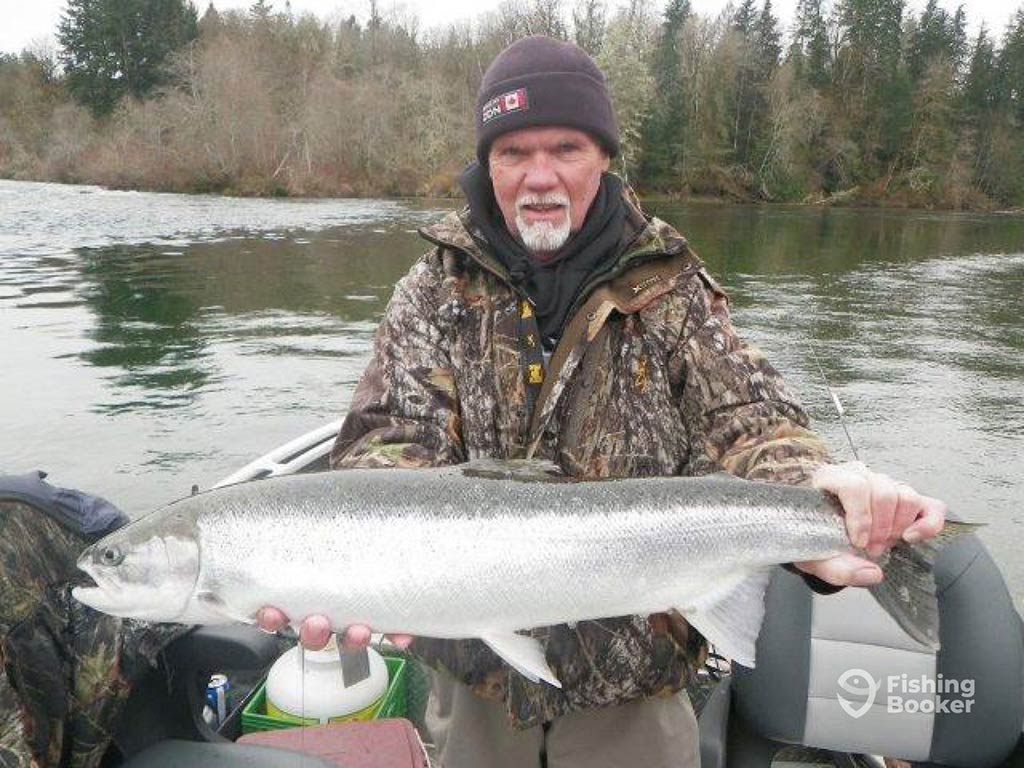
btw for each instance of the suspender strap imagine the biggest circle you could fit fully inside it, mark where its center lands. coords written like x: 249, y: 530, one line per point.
x: 627, y: 293
x: 531, y: 353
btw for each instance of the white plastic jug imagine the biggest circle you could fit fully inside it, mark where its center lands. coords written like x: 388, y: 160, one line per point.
x: 320, y: 695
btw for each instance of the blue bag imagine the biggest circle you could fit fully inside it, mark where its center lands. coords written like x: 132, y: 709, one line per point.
x: 89, y: 516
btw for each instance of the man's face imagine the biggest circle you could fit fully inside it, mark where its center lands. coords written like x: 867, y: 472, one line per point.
x: 544, y: 181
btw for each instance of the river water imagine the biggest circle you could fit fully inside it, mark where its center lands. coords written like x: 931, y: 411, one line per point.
x: 149, y: 342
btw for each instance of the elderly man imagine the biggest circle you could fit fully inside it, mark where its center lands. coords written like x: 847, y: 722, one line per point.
x: 553, y: 319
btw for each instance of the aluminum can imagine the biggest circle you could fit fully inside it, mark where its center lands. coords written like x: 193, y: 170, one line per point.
x: 217, y: 697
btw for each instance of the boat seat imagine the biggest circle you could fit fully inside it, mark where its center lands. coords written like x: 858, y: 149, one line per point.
x: 177, y: 753
x: 817, y: 651
x: 167, y: 704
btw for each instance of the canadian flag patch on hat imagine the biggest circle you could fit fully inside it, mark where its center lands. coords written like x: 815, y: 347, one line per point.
x: 513, y: 101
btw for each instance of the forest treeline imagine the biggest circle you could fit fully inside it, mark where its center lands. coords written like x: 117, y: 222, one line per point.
x: 859, y: 101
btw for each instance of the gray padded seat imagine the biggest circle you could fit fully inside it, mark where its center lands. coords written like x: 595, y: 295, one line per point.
x: 173, y: 753
x: 809, y: 641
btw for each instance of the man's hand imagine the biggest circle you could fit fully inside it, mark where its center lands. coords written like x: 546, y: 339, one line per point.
x: 880, y: 512
x: 315, y: 631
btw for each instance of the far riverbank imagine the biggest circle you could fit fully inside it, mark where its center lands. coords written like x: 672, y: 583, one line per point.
x: 445, y: 188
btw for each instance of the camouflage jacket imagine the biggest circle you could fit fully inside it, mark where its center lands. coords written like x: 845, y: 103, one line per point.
x: 648, y: 378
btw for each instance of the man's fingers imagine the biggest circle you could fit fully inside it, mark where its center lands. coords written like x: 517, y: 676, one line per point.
x: 359, y: 635
x: 930, y: 519
x: 908, y: 505
x: 314, y: 632
x: 850, y: 485
x: 884, y: 500
x: 879, y: 511
x: 844, y: 570
x: 355, y: 637
x: 270, y: 619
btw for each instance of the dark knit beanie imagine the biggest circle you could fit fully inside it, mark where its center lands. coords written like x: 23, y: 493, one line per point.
x: 539, y: 81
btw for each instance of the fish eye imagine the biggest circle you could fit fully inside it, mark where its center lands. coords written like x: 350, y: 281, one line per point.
x: 112, y: 555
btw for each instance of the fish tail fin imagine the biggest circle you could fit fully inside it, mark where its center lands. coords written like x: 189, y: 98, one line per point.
x: 908, y: 591
x: 730, y: 618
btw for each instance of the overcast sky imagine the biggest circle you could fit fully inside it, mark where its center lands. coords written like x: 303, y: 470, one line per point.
x: 27, y: 22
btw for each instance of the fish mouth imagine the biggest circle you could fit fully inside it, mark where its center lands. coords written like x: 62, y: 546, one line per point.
x: 94, y: 597
x: 86, y: 587
x: 86, y: 581
x: 86, y: 577
x: 86, y: 594
x: 101, y: 599
x: 89, y: 588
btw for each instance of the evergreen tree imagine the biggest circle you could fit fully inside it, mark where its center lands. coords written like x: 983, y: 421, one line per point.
x: 665, y: 127
x: 994, y: 111
x: 745, y: 17
x: 261, y: 10
x: 871, y: 49
x: 1011, y: 68
x: 768, y: 41
x: 373, y: 30
x: 876, y: 93
x: 959, y: 39
x: 348, y: 48
x: 980, y: 93
x: 210, y: 22
x: 757, y: 37
x: 936, y: 36
x: 810, y: 43
x: 113, y: 48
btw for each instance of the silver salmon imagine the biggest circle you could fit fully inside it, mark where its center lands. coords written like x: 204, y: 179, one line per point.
x: 484, y: 550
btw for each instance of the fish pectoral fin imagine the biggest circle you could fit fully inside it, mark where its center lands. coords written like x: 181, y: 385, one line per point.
x: 524, y: 654
x: 730, y: 618
x: 212, y: 604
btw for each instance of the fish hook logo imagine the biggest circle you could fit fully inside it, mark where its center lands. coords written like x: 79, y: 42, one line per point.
x: 860, y: 683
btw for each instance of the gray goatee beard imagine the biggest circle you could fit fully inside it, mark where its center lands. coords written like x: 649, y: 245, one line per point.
x: 543, y: 236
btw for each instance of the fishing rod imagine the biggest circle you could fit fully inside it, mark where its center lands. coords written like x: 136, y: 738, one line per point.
x: 835, y: 400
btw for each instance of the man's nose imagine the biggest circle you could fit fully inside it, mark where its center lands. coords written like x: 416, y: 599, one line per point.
x: 540, y: 173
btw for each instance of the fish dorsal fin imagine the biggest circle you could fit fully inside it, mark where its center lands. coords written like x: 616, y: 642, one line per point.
x: 524, y: 654
x: 525, y: 470
x: 724, y: 477
x: 730, y: 618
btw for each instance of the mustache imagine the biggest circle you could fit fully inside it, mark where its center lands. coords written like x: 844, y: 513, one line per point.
x: 550, y: 198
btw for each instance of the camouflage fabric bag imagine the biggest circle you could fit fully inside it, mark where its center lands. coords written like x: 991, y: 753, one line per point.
x: 67, y: 670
